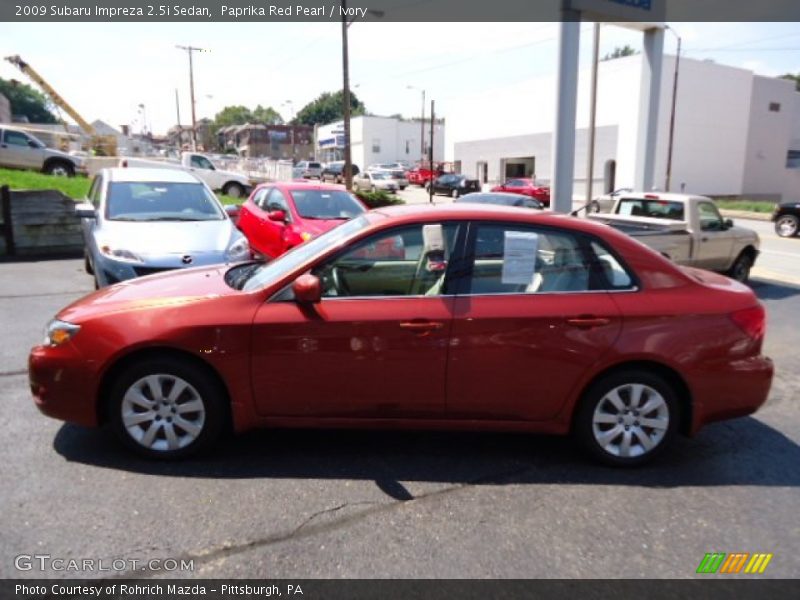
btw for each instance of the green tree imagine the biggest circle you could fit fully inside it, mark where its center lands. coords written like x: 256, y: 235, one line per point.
x: 328, y: 107
x: 618, y: 52
x: 239, y: 115
x: 793, y: 77
x: 267, y: 115
x: 27, y: 102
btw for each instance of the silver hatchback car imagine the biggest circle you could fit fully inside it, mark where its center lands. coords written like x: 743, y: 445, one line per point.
x: 142, y: 221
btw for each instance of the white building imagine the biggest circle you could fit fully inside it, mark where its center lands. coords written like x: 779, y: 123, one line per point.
x: 379, y: 140
x: 735, y: 132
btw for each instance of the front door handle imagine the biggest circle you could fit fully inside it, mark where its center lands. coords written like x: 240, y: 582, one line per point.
x: 588, y: 322
x: 421, y: 327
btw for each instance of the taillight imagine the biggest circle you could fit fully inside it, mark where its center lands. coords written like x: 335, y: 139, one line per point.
x: 124, y: 163
x: 753, y: 321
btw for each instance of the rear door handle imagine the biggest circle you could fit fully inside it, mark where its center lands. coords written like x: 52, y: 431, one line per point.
x: 588, y: 322
x: 421, y: 327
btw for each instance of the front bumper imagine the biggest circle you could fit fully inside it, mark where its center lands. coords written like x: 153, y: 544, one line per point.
x: 109, y: 271
x: 62, y: 383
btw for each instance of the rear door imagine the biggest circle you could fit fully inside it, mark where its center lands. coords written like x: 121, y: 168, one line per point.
x: 533, y: 314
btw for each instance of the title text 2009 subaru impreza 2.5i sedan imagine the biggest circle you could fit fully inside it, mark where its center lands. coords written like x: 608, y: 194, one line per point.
x: 480, y: 317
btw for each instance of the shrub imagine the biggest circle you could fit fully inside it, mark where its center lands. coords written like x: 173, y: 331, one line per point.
x: 378, y: 198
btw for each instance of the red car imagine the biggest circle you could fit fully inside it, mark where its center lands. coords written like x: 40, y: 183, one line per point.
x: 493, y: 318
x: 527, y: 187
x: 280, y: 216
x: 422, y: 175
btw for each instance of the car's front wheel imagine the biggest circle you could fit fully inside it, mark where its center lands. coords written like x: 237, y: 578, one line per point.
x: 740, y: 270
x: 627, y: 418
x: 166, y: 408
x: 787, y: 226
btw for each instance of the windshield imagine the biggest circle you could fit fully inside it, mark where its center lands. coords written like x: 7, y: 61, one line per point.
x: 326, y: 204
x: 380, y: 176
x: 153, y: 201
x: 276, y: 269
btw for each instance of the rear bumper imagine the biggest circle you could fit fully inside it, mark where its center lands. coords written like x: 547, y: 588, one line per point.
x: 734, y: 389
x: 62, y: 383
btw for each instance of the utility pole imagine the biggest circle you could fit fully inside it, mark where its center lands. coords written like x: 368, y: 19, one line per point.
x: 178, y: 113
x: 421, y: 124
x: 668, y: 180
x: 348, y: 159
x: 190, y: 50
x: 592, y: 115
x: 430, y: 153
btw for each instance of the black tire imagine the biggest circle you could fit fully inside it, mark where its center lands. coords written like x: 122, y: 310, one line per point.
x: 87, y: 264
x: 202, y: 387
x: 655, y: 387
x: 787, y: 226
x: 60, y: 168
x: 740, y: 270
x: 234, y: 190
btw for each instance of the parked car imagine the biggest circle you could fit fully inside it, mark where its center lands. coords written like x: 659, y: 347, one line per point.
x: 686, y: 229
x: 502, y: 199
x: 400, y: 177
x: 582, y: 328
x: 21, y: 150
x: 280, y: 216
x: 375, y: 180
x: 230, y: 183
x: 392, y: 166
x: 422, y: 175
x: 605, y: 202
x: 454, y: 185
x: 309, y: 169
x: 142, y: 221
x: 786, y: 217
x: 527, y: 187
x: 334, y: 172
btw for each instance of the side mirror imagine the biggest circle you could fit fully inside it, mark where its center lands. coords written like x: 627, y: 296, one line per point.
x: 277, y: 215
x: 307, y: 289
x: 728, y: 223
x: 232, y: 210
x: 85, y: 210
x: 33, y: 144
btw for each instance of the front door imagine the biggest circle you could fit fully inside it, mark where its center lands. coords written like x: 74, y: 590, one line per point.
x: 20, y: 151
x: 375, y: 346
x: 715, y: 241
x: 531, y: 319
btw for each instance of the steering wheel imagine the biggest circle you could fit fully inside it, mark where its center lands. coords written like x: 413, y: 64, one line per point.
x: 339, y: 282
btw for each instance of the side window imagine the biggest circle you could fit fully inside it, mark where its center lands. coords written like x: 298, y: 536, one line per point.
x: 260, y: 197
x: 15, y: 138
x: 407, y: 261
x: 710, y: 219
x: 517, y: 259
x: 276, y: 201
x: 201, y: 162
x: 94, y: 191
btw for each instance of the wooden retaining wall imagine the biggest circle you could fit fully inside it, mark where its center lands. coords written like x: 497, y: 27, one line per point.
x: 39, y: 222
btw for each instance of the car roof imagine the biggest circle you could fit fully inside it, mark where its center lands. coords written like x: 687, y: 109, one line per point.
x: 303, y: 185
x: 135, y: 174
x: 509, y: 195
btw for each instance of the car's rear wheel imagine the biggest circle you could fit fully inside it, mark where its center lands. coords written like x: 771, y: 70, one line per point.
x: 166, y: 408
x: 627, y: 418
x: 787, y: 226
x: 59, y: 168
x: 234, y: 190
x: 740, y: 271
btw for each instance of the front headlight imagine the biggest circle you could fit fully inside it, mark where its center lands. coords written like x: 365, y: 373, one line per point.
x: 57, y: 332
x: 240, y: 250
x: 120, y: 254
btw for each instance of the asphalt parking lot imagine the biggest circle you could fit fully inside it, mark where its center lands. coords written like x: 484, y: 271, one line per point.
x: 377, y: 504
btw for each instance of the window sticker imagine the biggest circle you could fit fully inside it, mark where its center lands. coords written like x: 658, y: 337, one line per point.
x: 519, y: 257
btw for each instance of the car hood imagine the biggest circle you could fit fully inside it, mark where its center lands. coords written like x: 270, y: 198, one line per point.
x: 173, y: 288
x: 319, y: 226
x: 149, y: 239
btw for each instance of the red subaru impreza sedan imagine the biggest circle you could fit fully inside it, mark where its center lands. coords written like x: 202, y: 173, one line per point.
x: 490, y: 318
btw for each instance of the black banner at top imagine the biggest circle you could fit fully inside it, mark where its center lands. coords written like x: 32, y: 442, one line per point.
x: 634, y: 11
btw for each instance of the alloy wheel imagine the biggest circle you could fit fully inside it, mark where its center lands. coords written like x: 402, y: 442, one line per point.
x: 163, y: 412
x: 630, y: 420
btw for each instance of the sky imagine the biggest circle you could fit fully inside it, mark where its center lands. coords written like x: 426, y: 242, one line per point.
x: 107, y: 70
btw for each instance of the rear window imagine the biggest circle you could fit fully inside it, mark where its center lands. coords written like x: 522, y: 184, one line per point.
x: 651, y: 208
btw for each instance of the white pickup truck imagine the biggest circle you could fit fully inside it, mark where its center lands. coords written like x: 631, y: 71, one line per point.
x: 688, y: 230
x: 229, y: 183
